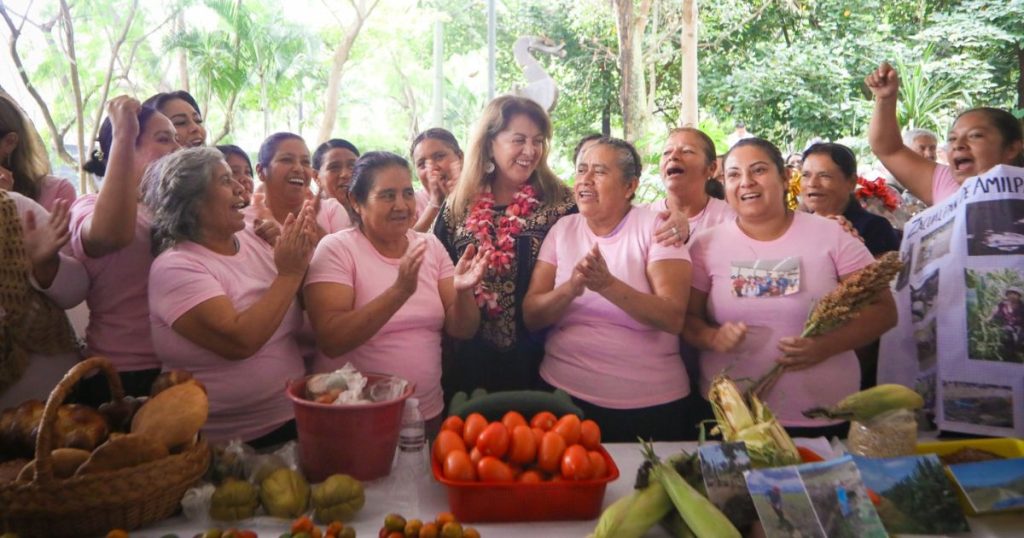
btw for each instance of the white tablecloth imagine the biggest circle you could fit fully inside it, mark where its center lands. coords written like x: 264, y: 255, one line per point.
x: 432, y: 498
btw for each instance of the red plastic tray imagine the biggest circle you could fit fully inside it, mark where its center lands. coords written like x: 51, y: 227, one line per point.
x: 514, y: 501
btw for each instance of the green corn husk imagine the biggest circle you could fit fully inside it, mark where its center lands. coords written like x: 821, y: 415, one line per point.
x: 767, y: 441
x: 633, y: 515
x: 702, y: 517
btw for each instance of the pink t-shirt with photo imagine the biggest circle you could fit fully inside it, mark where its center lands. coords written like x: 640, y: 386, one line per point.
x: 118, y: 306
x: 823, y: 252
x: 943, y: 184
x: 714, y: 213
x: 247, y: 397
x: 597, y: 352
x: 409, y: 344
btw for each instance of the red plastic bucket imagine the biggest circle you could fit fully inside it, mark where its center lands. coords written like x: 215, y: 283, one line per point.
x: 357, y: 440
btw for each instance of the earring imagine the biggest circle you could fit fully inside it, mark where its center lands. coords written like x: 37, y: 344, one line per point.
x: 489, y: 168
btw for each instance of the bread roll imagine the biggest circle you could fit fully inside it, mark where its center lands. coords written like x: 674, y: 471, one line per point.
x: 174, y: 416
x: 123, y: 451
x: 65, y: 462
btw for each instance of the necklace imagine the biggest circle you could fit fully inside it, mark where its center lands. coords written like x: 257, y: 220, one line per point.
x: 498, y: 241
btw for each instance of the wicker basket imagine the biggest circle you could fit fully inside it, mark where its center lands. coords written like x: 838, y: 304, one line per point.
x: 93, y: 504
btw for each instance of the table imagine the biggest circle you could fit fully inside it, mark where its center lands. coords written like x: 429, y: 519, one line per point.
x: 432, y: 499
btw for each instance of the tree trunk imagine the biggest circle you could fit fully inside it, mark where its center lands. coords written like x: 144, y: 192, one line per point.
x: 688, y: 52
x: 68, y: 27
x: 115, y: 50
x: 632, y: 94
x: 340, y: 57
x: 1020, y: 76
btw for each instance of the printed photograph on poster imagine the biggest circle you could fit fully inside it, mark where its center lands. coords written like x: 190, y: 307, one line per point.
x: 722, y: 467
x: 934, y: 245
x: 923, y: 298
x: 925, y: 386
x: 995, y: 228
x: 904, y: 276
x: 840, y: 500
x: 995, y: 315
x: 926, y: 337
x: 913, y: 494
x: 978, y: 404
x: 992, y: 486
x: 782, y: 503
x: 766, y: 278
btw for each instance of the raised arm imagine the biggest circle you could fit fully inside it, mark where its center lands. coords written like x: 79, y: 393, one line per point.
x: 216, y: 325
x: 910, y: 169
x: 339, y: 326
x: 112, y: 224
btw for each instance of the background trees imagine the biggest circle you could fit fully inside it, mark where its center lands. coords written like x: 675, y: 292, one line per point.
x: 792, y: 70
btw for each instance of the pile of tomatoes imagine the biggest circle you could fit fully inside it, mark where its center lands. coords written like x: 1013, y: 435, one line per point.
x: 514, y: 450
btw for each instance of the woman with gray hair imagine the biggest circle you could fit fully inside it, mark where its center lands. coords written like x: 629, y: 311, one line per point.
x: 219, y: 306
x: 607, y: 289
x: 924, y: 142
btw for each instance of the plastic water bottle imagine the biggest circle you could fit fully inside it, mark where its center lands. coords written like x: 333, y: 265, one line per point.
x: 410, y: 469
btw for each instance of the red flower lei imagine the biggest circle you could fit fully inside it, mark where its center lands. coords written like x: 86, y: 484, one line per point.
x: 876, y: 189
x: 500, y: 243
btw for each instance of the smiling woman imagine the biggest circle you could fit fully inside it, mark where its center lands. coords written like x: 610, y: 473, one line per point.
x: 505, y: 202
x: 220, y: 308
x: 736, y: 328
x: 183, y: 111
x: 379, y: 295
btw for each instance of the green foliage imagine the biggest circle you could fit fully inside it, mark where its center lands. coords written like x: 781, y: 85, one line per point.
x: 985, y: 291
x: 915, y: 494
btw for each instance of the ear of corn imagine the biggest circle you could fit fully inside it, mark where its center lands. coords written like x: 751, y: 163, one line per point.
x: 633, y: 515
x: 701, y: 516
x: 767, y: 441
x: 867, y: 404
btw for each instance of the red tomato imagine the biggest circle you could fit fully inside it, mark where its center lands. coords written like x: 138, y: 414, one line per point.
x: 576, y: 463
x: 446, y: 442
x: 522, y: 447
x: 545, y: 420
x: 598, y: 464
x: 475, y: 423
x: 475, y: 456
x: 531, y: 477
x: 549, y: 453
x: 454, y: 423
x: 457, y: 466
x: 492, y: 469
x: 513, y: 419
x: 569, y: 428
x: 493, y: 441
x: 590, y: 434
x: 538, y: 434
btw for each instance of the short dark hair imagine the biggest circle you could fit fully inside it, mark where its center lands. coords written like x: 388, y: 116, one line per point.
x: 436, y: 133
x: 773, y: 152
x: 629, y: 158
x: 231, y: 149
x: 1007, y: 124
x: 334, y: 143
x: 269, y: 146
x: 583, y: 141
x: 364, y: 175
x: 840, y: 154
x: 97, y: 163
x: 159, y: 100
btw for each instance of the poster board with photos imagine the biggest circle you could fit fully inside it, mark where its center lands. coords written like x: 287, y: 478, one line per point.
x: 960, y: 337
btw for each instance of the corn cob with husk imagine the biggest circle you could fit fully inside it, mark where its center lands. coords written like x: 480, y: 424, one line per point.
x: 767, y: 442
x: 840, y: 306
x: 648, y: 504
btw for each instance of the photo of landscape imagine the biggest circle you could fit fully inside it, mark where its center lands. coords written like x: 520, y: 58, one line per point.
x: 992, y: 485
x: 915, y: 495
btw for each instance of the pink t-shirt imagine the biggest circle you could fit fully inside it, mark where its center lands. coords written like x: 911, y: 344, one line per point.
x: 823, y: 252
x: 118, y: 309
x: 943, y: 184
x: 247, y: 397
x: 54, y: 188
x: 714, y: 213
x: 409, y: 344
x: 422, y: 200
x: 332, y: 217
x: 597, y: 352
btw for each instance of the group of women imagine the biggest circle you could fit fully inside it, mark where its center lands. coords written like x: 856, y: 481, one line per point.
x: 495, y: 274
